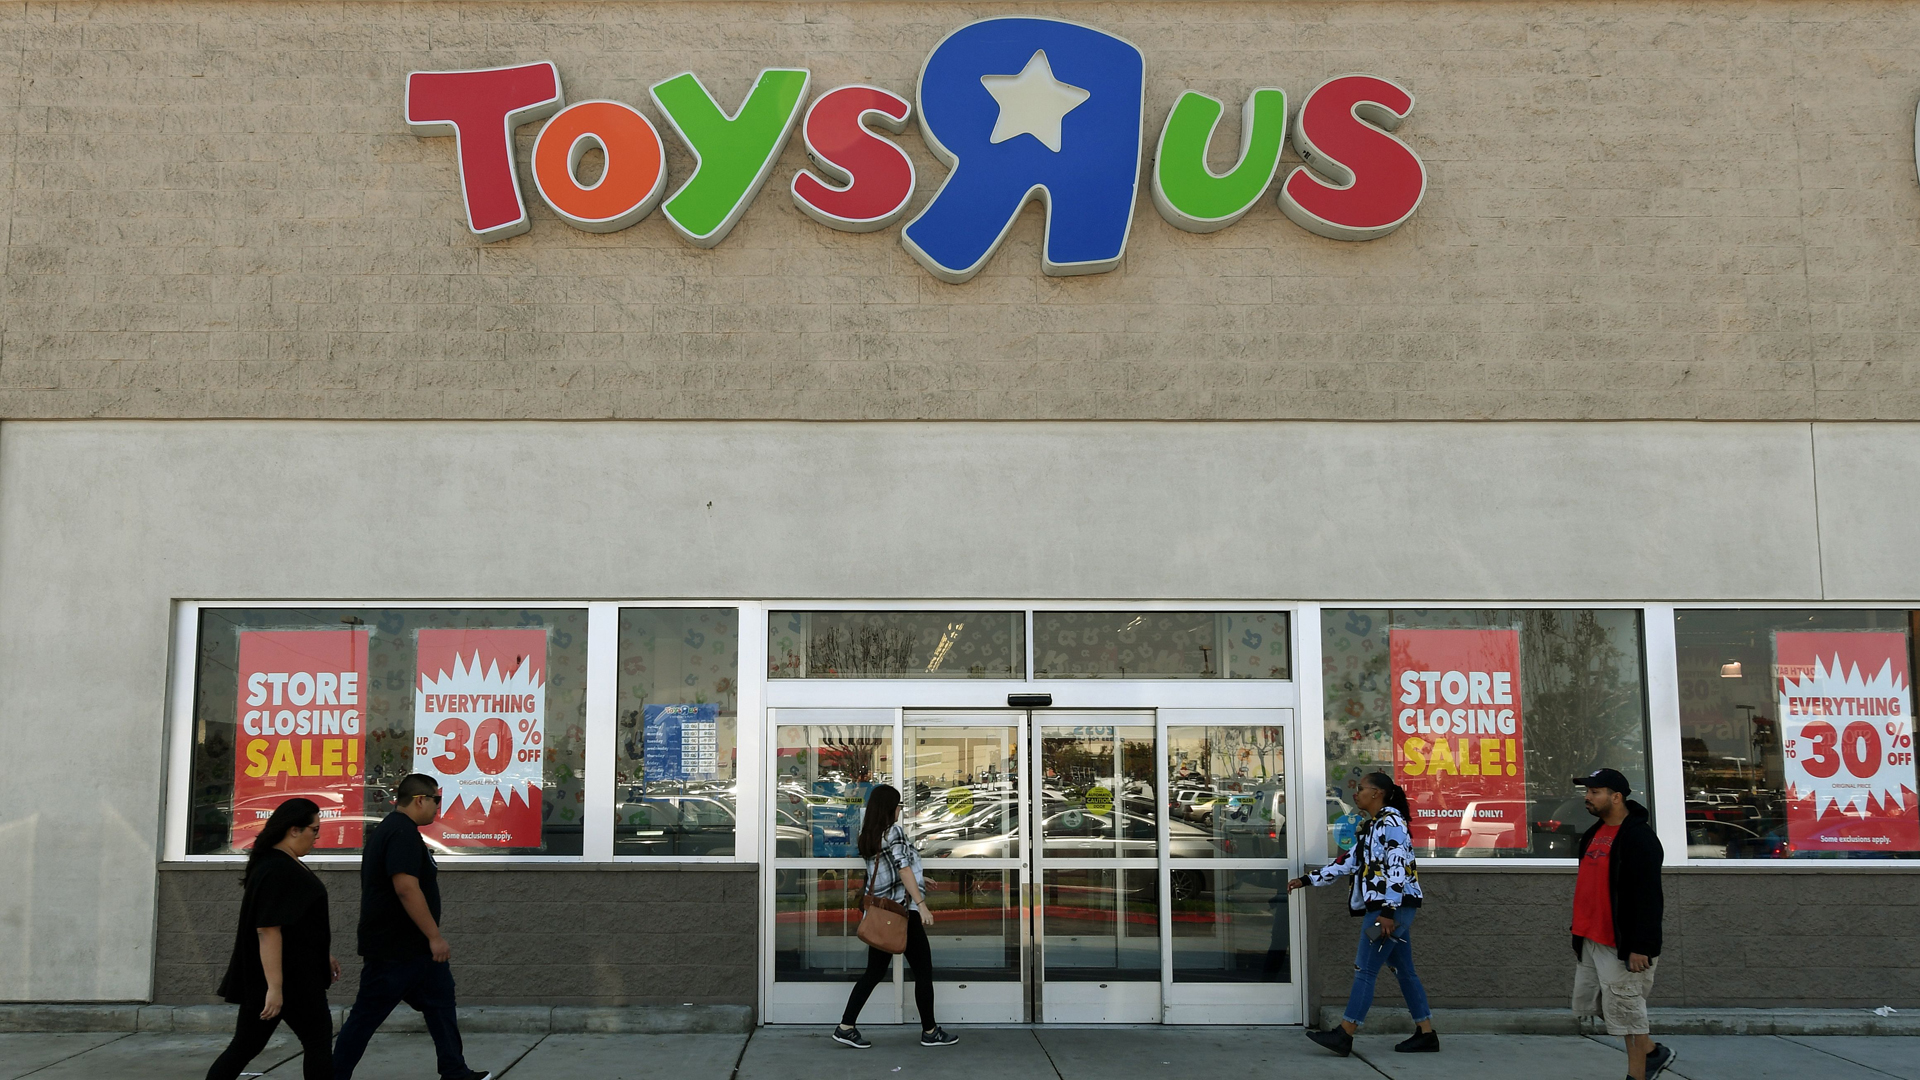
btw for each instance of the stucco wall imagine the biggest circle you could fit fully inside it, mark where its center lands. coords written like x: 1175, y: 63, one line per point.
x: 103, y: 524
x: 1637, y: 209
x: 551, y: 935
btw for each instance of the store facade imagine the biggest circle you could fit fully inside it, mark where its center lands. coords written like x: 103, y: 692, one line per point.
x: 663, y: 514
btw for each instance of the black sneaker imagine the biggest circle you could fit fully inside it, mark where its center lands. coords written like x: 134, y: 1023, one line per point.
x: 938, y: 1037
x: 1658, y: 1059
x: 1336, y: 1040
x: 473, y: 1074
x: 850, y: 1036
x: 1425, y: 1042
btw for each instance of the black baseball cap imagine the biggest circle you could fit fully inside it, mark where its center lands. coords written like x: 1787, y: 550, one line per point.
x: 1606, y: 778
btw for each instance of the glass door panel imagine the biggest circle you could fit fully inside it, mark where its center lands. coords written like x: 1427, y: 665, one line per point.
x: 1101, y: 926
x: 961, y: 795
x: 1234, y: 928
x: 815, y: 915
x: 1229, y: 790
x: 1231, y: 938
x: 822, y: 774
x: 964, y: 808
x: 1098, y: 914
x: 1097, y: 792
x: 822, y: 770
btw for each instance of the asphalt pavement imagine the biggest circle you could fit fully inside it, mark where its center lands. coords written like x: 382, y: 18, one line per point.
x: 1004, y: 1053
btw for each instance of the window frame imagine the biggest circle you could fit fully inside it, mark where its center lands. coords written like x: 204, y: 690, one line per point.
x: 1676, y: 792
x: 603, y: 653
x: 1660, y: 683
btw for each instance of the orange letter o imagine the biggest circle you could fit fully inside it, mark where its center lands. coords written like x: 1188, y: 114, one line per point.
x: 635, y: 176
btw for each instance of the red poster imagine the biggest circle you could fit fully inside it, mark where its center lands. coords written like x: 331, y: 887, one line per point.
x: 479, y: 727
x: 1459, y: 746
x: 301, y: 730
x: 1846, y: 725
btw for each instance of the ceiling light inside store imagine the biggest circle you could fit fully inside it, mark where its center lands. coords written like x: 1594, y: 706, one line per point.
x: 1730, y: 670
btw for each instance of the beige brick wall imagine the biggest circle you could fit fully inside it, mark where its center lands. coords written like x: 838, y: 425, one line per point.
x: 1650, y: 209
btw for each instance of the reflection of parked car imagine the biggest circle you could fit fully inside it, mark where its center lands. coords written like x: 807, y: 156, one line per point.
x: 1181, y: 805
x: 1557, y: 825
x: 1727, y: 840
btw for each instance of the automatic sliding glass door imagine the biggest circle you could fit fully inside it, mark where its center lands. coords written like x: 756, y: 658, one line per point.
x: 1156, y: 892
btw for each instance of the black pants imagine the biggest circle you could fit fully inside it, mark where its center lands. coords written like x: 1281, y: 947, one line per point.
x: 880, y: 965
x: 421, y: 982
x: 307, y: 1018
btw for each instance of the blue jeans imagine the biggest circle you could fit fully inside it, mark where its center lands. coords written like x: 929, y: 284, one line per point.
x: 1394, y: 951
x: 421, y: 983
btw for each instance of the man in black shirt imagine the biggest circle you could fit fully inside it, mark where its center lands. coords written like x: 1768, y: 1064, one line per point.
x: 406, y: 957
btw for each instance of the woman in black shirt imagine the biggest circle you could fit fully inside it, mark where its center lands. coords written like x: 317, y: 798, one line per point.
x: 281, y: 964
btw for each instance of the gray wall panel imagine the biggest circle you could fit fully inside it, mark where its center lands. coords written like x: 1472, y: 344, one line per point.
x: 1869, y: 510
x: 546, y: 935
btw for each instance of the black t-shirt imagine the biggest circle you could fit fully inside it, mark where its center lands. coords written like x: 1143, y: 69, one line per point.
x: 387, y: 932
x: 281, y: 893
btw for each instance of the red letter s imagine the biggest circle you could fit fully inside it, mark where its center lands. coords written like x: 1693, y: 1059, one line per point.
x: 481, y: 109
x: 1377, y: 183
x: 878, y: 174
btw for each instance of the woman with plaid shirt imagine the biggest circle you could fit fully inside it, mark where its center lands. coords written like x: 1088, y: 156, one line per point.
x: 894, y: 873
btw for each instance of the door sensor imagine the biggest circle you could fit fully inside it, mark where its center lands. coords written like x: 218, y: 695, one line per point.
x: 1029, y: 701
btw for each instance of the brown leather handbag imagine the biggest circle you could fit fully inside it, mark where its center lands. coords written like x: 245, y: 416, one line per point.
x: 883, y: 923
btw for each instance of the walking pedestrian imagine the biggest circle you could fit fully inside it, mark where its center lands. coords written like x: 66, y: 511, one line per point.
x: 1386, y: 894
x: 406, y: 956
x: 1617, y: 908
x: 281, y: 965
x: 894, y: 873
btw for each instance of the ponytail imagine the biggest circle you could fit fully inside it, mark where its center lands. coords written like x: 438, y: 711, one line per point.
x: 1396, y: 795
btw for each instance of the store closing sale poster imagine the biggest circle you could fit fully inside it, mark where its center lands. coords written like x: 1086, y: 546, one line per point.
x: 1846, y: 724
x: 480, y: 708
x: 302, y: 730
x: 1459, y: 743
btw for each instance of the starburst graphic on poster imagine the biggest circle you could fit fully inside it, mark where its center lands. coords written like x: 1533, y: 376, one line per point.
x: 1842, y: 728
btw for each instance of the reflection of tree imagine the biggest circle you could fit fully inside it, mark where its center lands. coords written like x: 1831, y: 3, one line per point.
x: 852, y: 756
x: 1582, y: 698
x: 863, y: 649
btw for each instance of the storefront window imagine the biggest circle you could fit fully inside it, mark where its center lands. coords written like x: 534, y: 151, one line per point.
x: 1484, y: 716
x: 1160, y: 645
x: 1796, y: 734
x: 676, y: 761
x: 896, y: 645
x: 337, y: 704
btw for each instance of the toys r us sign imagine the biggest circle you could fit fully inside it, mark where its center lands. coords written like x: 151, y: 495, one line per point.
x: 1017, y: 109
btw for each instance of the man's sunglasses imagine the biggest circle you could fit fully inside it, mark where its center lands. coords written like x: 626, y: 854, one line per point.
x: 436, y: 798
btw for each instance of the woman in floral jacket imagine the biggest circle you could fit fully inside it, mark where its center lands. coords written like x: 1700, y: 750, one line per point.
x: 1386, y: 894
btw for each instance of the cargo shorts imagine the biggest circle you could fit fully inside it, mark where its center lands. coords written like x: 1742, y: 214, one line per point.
x: 1603, y: 987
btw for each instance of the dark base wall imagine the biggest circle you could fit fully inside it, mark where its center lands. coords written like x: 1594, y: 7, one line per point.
x: 551, y: 935
x: 1733, y: 939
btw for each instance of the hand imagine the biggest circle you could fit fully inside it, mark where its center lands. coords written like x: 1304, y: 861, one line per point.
x: 1296, y: 883
x: 1386, y: 926
x: 335, y: 965
x: 1637, y: 962
x: 442, y: 952
x: 926, y: 915
x: 275, y: 999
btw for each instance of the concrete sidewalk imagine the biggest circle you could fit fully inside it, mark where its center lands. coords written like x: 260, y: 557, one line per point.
x: 1175, y: 1053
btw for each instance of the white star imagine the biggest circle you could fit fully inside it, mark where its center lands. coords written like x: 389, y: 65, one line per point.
x: 1032, y: 102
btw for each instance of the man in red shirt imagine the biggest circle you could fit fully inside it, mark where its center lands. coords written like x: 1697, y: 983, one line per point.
x: 1617, y: 909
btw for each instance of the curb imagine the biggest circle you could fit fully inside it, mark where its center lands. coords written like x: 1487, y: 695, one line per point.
x: 1664, y: 1022
x: 514, y: 1019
